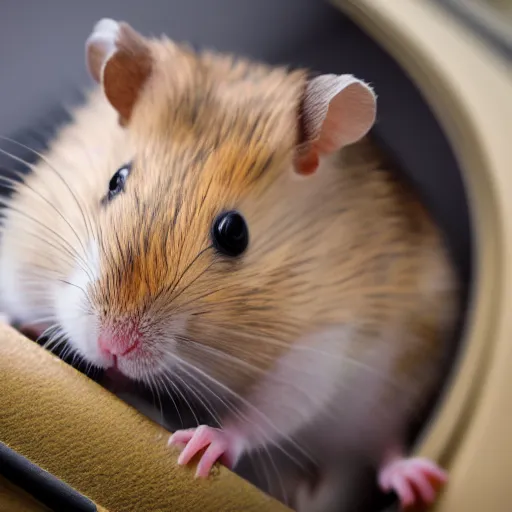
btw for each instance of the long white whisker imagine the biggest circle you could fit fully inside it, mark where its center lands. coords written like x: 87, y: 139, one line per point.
x: 58, y: 174
x: 278, y: 475
x: 161, y: 409
x: 65, y: 244
x: 23, y: 183
x: 169, y: 394
x: 198, y: 398
x: 187, y: 403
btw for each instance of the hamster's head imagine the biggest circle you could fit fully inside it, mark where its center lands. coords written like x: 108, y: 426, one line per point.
x: 192, y: 259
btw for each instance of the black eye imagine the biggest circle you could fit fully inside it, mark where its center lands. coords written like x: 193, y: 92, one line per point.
x: 116, y: 183
x: 230, y: 234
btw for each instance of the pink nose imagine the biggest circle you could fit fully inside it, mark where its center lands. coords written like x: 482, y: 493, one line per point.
x: 118, y: 343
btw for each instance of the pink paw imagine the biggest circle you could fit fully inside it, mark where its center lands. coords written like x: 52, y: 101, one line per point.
x: 217, y: 443
x: 415, y: 481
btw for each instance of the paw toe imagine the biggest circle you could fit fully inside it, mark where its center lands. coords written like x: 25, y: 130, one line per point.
x: 180, y: 437
x: 415, y: 481
x: 422, y: 486
x: 403, y: 490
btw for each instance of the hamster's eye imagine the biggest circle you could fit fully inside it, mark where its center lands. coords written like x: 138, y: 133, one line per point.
x: 230, y: 234
x: 116, y: 183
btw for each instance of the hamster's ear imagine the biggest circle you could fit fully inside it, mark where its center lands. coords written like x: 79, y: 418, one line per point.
x: 120, y: 60
x: 336, y: 111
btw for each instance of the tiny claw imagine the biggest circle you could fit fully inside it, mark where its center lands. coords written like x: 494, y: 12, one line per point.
x: 415, y: 480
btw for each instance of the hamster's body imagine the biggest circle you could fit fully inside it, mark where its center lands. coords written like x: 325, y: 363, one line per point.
x: 330, y: 329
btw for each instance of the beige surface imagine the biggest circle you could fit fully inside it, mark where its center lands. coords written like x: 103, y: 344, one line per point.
x: 84, y: 435
x: 470, y: 91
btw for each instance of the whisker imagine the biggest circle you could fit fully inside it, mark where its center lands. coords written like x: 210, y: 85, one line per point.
x: 187, y: 268
x: 58, y: 248
x: 74, y: 286
x: 153, y: 380
x: 284, y: 494
x: 199, y: 399
x: 16, y: 184
x: 187, y: 403
x: 170, y: 395
x: 180, y: 307
x: 55, y: 343
x: 65, y: 183
x: 66, y: 244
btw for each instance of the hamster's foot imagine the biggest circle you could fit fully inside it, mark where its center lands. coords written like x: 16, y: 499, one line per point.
x: 217, y: 443
x: 415, y: 481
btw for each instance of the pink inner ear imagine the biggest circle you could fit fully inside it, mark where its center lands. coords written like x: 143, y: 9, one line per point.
x: 350, y: 115
x: 338, y: 110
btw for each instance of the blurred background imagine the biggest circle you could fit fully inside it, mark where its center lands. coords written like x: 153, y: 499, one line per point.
x: 41, y: 43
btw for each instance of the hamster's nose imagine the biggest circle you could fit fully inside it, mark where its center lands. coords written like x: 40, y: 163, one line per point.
x: 118, y: 343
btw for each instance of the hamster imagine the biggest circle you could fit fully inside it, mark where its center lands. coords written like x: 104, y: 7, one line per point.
x: 220, y: 225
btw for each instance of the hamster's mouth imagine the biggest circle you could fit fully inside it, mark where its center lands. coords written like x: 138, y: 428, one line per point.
x: 113, y: 371
x: 121, y: 368
x: 118, y: 365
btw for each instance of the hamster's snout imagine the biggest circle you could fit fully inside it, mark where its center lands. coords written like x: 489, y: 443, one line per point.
x: 119, y: 340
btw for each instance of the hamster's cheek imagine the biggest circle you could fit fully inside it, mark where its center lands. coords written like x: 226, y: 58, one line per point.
x: 79, y: 330
x: 76, y: 319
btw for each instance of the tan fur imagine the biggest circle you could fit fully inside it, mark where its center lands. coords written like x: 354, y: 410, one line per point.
x: 348, y: 246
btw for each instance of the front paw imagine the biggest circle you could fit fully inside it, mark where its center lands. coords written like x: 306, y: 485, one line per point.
x: 219, y: 447
x: 415, y: 481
